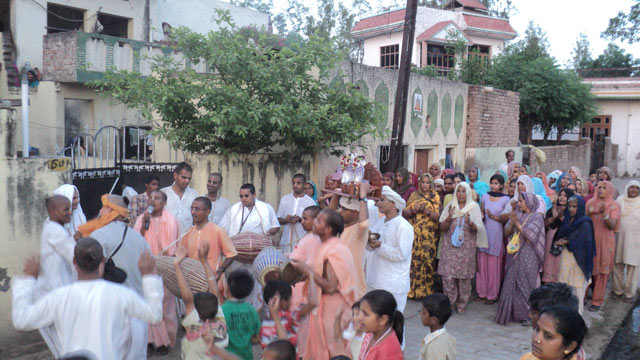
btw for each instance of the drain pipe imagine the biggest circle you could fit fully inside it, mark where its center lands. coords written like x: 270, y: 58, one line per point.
x: 25, y: 109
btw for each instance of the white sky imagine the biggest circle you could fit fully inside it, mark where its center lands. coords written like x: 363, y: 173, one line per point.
x: 562, y: 20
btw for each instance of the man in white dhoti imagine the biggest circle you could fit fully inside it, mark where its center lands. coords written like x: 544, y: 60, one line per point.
x: 219, y: 205
x: 90, y: 313
x: 250, y: 214
x: 180, y: 196
x: 391, y: 260
x: 110, y: 236
x: 290, y: 213
x: 56, y: 257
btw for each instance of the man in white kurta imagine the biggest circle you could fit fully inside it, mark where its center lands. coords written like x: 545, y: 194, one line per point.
x: 219, y: 205
x: 391, y: 260
x: 180, y: 196
x: 56, y: 257
x: 89, y: 314
x: 250, y: 215
x: 134, y: 245
x: 290, y: 213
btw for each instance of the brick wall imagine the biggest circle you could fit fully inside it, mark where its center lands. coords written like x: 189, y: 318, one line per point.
x: 562, y: 157
x: 59, y: 56
x: 492, y: 117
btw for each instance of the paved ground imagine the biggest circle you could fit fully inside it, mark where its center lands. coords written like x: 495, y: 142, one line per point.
x: 478, y: 336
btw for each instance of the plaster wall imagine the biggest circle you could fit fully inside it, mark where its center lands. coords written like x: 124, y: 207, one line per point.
x: 625, y: 132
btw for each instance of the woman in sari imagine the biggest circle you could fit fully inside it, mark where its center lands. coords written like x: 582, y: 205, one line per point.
x: 605, y: 214
x: 547, y: 189
x: 461, y: 223
x: 585, y: 189
x: 513, y: 170
x: 574, y: 173
x: 538, y: 189
x: 311, y: 190
x: 435, y: 170
x: 563, y: 181
x: 473, y: 178
x: 552, y: 222
x: 524, y: 184
x: 628, y: 245
x: 523, y: 269
x: 575, y: 238
x: 489, y: 272
x: 423, y: 212
x: 403, y: 184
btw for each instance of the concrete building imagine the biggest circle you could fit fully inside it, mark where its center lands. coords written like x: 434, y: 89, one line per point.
x: 71, y: 42
x: 381, y: 35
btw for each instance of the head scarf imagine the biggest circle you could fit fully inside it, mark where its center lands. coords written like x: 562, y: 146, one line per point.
x: 389, y: 175
x: 627, y: 204
x: 394, y: 197
x: 446, y: 172
x: 555, y: 174
x: 528, y: 185
x: 77, y: 217
x: 557, y: 185
x: 526, y: 168
x: 315, y: 190
x: 538, y: 189
x: 568, y: 192
x: 406, y: 181
x: 510, y: 168
x: 594, y: 204
x: 579, y: 231
x: 470, y: 207
x: 439, y: 182
x: 431, y: 196
x: 607, y: 170
x: 545, y: 182
x: 533, y: 228
x: 480, y: 187
x: 577, y: 171
x: 95, y: 224
x: 438, y: 165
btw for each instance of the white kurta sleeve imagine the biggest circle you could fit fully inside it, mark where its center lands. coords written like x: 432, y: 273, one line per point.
x: 64, y: 245
x: 399, y: 247
x: 148, y: 309
x: 226, y: 220
x: 282, y: 208
x: 273, y: 218
x: 25, y: 314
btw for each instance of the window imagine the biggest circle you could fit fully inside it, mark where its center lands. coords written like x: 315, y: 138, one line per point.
x: 63, y: 18
x: 390, y: 56
x: 439, y: 57
x: 481, y: 52
x: 114, y: 25
x: 599, y: 125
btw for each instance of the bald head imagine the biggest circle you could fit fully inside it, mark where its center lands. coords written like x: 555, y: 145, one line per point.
x: 59, y: 209
x: 88, y: 255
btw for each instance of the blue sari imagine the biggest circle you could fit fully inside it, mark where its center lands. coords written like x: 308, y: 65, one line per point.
x: 480, y: 187
x: 538, y: 189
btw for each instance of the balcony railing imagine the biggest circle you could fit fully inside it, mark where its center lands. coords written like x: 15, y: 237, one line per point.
x: 82, y: 57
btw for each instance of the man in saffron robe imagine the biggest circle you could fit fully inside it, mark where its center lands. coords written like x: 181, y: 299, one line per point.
x: 160, y: 229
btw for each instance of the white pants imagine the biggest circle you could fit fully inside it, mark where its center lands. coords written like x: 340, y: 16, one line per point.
x: 50, y: 337
x: 138, y: 340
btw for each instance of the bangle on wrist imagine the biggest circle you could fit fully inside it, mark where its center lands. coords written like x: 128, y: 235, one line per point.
x: 213, y: 278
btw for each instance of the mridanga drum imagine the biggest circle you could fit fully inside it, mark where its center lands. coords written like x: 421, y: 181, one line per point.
x: 249, y: 244
x: 192, y: 270
x: 268, y: 260
x: 289, y: 274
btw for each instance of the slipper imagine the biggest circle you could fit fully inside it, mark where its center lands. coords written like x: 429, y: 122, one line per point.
x: 594, y: 308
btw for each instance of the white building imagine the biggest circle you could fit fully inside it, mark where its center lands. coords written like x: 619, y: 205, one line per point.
x: 381, y: 35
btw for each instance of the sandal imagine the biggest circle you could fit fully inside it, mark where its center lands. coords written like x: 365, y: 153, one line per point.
x: 461, y: 311
x: 526, y: 322
x: 594, y: 308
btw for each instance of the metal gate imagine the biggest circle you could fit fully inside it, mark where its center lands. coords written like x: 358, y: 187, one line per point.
x: 597, y: 152
x: 104, y: 162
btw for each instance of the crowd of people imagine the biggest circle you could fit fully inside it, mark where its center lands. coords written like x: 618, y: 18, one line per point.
x: 533, y: 243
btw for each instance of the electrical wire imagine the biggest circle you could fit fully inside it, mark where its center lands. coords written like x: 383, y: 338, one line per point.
x: 62, y: 17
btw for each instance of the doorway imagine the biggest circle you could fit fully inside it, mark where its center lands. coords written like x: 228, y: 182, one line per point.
x: 421, y: 160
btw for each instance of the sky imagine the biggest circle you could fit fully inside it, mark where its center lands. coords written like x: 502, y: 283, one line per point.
x: 562, y: 20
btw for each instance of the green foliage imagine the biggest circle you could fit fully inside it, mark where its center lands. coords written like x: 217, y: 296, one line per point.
x: 260, y: 95
x: 581, y: 54
x: 625, y: 26
x: 549, y: 96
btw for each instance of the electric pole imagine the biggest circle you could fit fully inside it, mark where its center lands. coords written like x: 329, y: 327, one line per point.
x: 400, y: 106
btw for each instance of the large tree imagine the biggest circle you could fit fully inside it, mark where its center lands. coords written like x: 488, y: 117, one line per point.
x: 625, y: 26
x: 581, y: 53
x: 259, y: 95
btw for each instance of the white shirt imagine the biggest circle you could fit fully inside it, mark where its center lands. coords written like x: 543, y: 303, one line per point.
x: 218, y: 209
x: 504, y: 167
x: 129, y: 193
x: 110, y: 236
x: 260, y: 219
x: 88, y: 315
x: 56, y: 258
x: 391, y: 262
x: 291, y: 205
x: 180, y: 207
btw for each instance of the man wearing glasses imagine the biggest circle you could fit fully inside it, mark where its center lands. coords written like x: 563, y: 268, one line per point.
x: 250, y: 215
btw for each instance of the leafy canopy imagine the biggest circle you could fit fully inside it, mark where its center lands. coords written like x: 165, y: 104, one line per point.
x: 259, y: 95
x: 625, y: 26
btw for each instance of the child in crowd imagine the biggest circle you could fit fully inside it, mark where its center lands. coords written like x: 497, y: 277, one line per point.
x: 553, y: 294
x: 282, y: 323
x: 279, y: 350
x: 243, y: 322
x: 383, y: 324
x: 438, y: 344
x: 204, y: 317
x: 353, y: 334
x: 593, y: 178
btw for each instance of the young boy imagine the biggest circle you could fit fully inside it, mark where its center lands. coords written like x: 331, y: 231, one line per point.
x: 243, y: 322
x: 282, y: 323
x: 280, y: 350
x: 438, y: 344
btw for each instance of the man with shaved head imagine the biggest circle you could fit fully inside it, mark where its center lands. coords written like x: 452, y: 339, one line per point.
x: 110, y: 231
x: 90, y: 314
x: 56, y: 257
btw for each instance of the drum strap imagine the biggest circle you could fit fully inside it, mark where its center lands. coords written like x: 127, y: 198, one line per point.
x: 243, y: 219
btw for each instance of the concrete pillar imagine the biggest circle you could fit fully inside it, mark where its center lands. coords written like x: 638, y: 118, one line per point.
x: 7, y: 133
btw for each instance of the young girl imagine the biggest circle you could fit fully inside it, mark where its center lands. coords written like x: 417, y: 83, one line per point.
x: 383, y: 325
x: 204, y: 318
x: 557, y: 335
